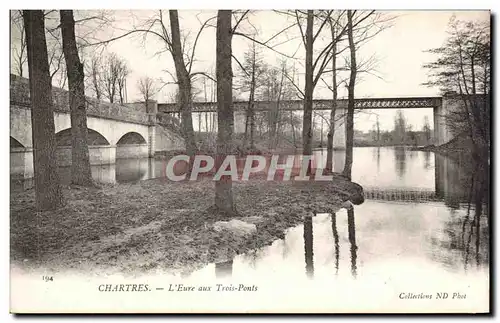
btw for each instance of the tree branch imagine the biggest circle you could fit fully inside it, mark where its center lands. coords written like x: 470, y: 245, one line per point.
x: 195, y: 43
x: 239, y: 21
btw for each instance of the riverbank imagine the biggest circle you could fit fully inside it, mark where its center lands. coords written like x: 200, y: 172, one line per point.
x: 459, y: 148
x: 159, y: 225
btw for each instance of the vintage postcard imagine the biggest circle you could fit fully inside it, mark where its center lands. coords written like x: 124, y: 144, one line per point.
x: 250, y: 161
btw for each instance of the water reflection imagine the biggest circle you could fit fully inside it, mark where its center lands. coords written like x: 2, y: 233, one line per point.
x: 375, y: 168
x: 465, y: 238
x: 224, y: 269
x: 352, y: 240
x: 308, y: 246
x: 400, y: 161
x: 376, y: 152
x: 336, y: 241
x: 427, y: 159
x: 387, y: 168
x: 100, y: 173
x: 132, y: 170
x: 309, y: 243
x: 387, y: 242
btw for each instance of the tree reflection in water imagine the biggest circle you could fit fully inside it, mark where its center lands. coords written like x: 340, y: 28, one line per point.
x: 308, y: 243
x: 427, y: 159
x: 478, y: 202
x: 400, y: 159
x: 464, y: 185
x: 352, y: 239
x: 376, y: 156
x: 224, y: 269
x: 336, y: 240
x: 308, y: 246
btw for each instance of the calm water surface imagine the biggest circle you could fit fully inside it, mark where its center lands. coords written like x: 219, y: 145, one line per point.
x: 379, y: 239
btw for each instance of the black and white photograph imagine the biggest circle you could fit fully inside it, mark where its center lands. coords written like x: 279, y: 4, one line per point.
x: 250, y: 161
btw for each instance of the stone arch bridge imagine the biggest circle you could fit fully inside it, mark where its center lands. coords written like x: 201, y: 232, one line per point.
x: 115, y: 131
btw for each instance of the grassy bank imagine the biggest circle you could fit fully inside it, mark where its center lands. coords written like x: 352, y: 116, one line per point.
x: 156, y: 224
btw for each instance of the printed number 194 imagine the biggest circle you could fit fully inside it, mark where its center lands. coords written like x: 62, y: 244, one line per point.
x: 48, y: 278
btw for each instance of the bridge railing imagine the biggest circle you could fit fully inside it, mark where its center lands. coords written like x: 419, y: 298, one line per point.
x: 20, y: 96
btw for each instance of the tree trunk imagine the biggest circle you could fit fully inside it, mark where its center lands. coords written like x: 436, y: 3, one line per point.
x: 205, y: 113
x: 225, y: 118
x: 184, y: 84
x: 249, y: 122
x: 277, y: 116
x: 331, y: 128
x: 252, y: 127
x: 308, y: 91
x: 199, y: 125
x: 378, y: 133
x: 48, y: 192
x: 80, y: 162
x: 251, y: 112
x: 120, y: 90
x: 350, y: 102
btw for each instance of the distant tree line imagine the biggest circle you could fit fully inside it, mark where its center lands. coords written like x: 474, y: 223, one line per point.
x: 402, y: 134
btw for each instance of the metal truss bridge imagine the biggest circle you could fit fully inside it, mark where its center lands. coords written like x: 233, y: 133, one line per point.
x: 365, y: 103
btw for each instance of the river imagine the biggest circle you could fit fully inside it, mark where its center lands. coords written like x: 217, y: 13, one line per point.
x: 396, y: 255
x: 431, y: 241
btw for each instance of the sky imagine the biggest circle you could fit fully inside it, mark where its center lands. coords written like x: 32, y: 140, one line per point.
x: 399, y: 52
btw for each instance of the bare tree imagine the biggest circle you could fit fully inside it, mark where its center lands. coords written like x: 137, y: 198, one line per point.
x: 20, y: 58
x: 48, y: 192
x: 80, y: 162
x: 225, y: 118
x: 463, y: 67
x: 183, y: 60
x: 315, y: 67
x: 400, y: 127
x: 308, y: 89
x: 274, y: 84
x: 95, y: 76
x: 147, y: 88
x: 52, y: 39
x: 184, y: 81
x: 426, y: 128
x: 350, y: 97
x: 123, y: 72
x: 250, y: 73
x: 333, y: 111
x: 111, y: 74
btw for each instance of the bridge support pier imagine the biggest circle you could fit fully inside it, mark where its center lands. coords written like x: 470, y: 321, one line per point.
x: 151, y: 140
x: 442, y: 133
x: 239, y: 121
x: 21, y: 163
x: 152, y: 110
x: 339, y: 134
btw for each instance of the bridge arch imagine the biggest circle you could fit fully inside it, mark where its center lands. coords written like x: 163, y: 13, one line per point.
x: 95, y: 138
x: 101, y: 152
x: 132, y: 145
x: 131, y: 138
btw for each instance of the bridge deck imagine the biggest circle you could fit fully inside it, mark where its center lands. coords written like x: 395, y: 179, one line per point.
x: 364, y: 103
